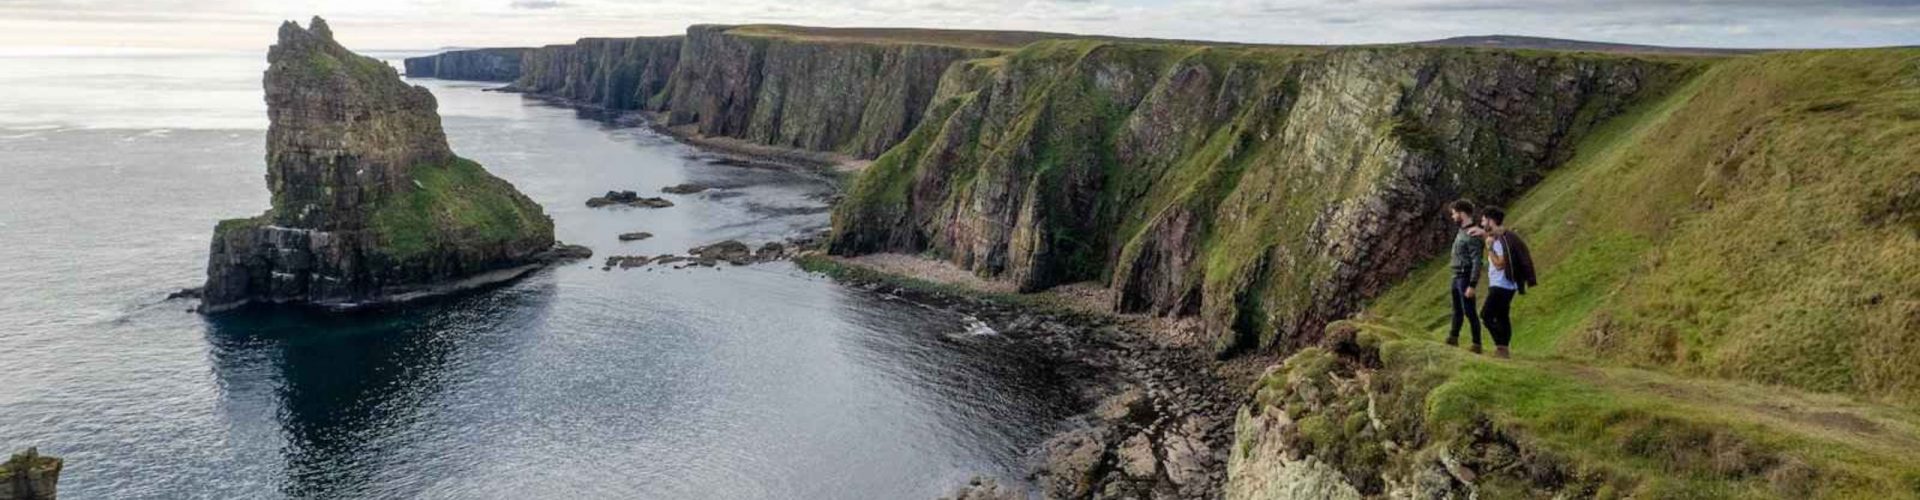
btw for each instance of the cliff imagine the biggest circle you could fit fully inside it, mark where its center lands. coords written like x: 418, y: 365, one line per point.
x: 850, y: 91
x: 29, y: 475
x: 1728, y: 309
x: 608, y: 73
x: 855, y: 97
x: 487, y: 65
x: 369, y: 204
x: 1267, y: 190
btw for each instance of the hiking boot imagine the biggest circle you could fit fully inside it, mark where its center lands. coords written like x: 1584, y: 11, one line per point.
x: 1453, y: 341
x: 1501, y: 352
x: 1475, y: 349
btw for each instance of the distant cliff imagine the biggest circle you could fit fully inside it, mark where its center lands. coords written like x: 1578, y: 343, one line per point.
x: 489, y: 65
x: 1267, y: 190
x: 608, y: 73
x: 369, y: 204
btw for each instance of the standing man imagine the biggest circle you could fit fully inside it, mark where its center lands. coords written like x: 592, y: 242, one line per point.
x: 1509, y: 272
x: 1467, y: 252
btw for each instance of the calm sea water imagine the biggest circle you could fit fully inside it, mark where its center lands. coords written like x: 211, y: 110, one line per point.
x: 753, y: 382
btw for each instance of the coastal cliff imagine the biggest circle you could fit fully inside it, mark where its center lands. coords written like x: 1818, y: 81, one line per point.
x: 369, y: 204
x: 606, y: 73
x: 487, y: 65
x: 856, y: 97
x: 851, y: 92
x: 1266, y: 190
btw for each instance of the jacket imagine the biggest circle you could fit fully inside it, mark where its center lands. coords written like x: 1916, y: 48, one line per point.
x: 1519, y: 261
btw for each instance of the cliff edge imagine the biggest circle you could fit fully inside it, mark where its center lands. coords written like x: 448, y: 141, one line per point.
x: 369, y: 203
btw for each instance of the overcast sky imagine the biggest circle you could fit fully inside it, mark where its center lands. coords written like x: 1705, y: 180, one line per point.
x: 27, y: 25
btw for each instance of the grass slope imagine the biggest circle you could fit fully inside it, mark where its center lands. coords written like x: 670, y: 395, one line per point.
x: 1730, y: 303
x: 456, y: 206
x: 1761, y: 224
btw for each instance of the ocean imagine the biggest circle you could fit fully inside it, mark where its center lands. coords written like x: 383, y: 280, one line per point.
x: 733, y: 382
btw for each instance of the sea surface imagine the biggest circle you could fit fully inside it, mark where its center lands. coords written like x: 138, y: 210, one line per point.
x: 732, y: 382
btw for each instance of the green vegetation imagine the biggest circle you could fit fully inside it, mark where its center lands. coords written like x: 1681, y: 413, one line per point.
x: 1728, y: 308
x: 1745, y: 227
x: 456, y: 206
x: 1533, y: 427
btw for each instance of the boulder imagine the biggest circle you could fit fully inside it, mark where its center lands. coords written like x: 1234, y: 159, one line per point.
x: 732, y: 251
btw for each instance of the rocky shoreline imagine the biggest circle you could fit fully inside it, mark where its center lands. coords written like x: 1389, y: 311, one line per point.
x: 1158, y: 417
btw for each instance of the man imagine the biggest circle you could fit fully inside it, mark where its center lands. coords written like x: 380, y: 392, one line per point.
x: 1509, y: 272
x: 1467, y: 253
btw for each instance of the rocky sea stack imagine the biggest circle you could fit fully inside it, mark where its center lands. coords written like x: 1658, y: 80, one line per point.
x: 369, y: 204
x: 28, y: 475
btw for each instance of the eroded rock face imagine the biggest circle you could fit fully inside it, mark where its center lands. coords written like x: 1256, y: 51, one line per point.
x: 486, y: 65
x: 608, y: 73
x: 1265, y: 190
x: 28, y: 475
x: 369, y: 203
x: 857, y: 98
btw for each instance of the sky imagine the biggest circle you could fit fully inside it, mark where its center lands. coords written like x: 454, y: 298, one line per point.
x: 238, y: 25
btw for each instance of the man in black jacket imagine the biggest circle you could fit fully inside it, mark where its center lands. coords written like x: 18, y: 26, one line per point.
x: 1467, y: 249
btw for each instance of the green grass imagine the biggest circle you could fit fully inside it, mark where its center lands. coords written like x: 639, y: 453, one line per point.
x: 1732, y: 230
x: 1615, y: 432
x: 1729, y: 294
x: 457, y: 205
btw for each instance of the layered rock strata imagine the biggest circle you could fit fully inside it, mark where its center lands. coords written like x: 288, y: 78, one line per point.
x: 369, y: 204
x: 1267, y: 190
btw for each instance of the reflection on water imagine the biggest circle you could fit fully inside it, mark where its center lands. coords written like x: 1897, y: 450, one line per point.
x: 340, y: 387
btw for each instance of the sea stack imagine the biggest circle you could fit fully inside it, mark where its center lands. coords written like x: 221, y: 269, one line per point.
x: 370, y: 206
x: 28, y: 475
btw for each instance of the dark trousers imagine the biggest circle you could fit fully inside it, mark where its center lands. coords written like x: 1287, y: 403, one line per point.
x: 1463, y: 309
x: 1499, y: 322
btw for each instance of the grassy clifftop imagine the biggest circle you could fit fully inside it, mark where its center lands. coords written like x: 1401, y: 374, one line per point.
x: 1730, y: 308
x: 1763, y: 225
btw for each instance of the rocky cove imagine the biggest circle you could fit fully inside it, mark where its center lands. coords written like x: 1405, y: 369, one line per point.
x: 1086, y: 267
x: 1250, y: 195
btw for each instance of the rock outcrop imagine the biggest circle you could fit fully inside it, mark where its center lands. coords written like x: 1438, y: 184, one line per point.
x: 486, y: 65
x: 28, y: 475
x: 369, y: 203
x: 1267, y: 190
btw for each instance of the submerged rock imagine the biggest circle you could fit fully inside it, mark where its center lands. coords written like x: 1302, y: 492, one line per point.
x: 732, y: 251
x: 369, y: 204
x: 685, y: 188
x: 28, y: 475
x: 626, y: 261
x: 628, y: 198
x: 635, y: 236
